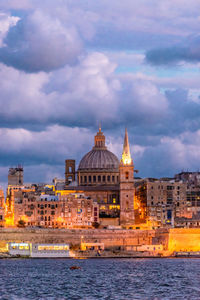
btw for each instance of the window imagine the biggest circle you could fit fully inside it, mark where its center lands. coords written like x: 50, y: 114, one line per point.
x: 85, y: 178
x: 94, y: 178
x: 113, y: 178
x: 108, y: 178
x: 90, y: 178
x: 127, y: 175
x: 99, y: 178
x: 104, y: 178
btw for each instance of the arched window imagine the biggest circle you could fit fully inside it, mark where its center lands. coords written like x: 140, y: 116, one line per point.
x: 94, y: 178
x: 127, y: 175
x: 99, y: 178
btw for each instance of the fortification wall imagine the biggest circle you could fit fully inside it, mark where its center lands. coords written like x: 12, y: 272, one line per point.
x: 173, y: 239
x: 111, y: 238
x: 184, y: 239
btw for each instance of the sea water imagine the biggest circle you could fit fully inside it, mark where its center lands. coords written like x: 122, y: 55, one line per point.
x: 100, y: 279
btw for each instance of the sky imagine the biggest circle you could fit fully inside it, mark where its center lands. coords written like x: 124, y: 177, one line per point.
x: 67, y: 65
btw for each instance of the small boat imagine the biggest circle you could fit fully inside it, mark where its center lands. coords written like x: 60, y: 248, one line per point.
x: 75, y: 268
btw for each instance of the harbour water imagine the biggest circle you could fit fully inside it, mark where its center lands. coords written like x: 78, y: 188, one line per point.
x: 100, y: 279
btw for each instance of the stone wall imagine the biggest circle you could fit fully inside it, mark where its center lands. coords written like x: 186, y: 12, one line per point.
x: 173, y: 239
x: 111, y: 238
x: 184, y: 239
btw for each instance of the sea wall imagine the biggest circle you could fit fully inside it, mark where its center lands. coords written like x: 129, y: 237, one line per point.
x: 184, y: 239
x: 173, y: 239
x: 110, y: 238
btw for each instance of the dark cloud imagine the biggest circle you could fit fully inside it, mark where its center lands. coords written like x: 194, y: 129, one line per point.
x: 40, y: 43
x: 175, y: 54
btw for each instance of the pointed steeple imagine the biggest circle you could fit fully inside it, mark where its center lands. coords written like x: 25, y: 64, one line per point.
x: 126, y: 156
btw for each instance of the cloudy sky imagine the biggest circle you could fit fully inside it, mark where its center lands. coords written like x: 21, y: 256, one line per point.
x: 65, y: 65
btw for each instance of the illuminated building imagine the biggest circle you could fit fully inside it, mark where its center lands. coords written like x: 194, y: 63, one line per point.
x: 33, y: 208
x: 161, y: 201
x: 98, y: 177
x: 79, y: 211
x: 126, y: 171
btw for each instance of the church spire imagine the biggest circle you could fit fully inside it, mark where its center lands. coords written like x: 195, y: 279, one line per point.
x: 126, y: 156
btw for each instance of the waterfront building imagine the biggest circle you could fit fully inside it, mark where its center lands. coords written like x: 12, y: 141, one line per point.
x: 79, y: 211
x: 28, y: 207
x: 161, y: 201
x: 38, y: 250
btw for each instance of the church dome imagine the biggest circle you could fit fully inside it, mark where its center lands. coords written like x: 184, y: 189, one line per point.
x: 99, y: 158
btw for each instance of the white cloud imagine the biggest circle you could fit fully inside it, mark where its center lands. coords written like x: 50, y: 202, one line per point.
x: 6, y: 21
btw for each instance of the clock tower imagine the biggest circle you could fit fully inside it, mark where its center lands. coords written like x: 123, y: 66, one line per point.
x: 126, y: 175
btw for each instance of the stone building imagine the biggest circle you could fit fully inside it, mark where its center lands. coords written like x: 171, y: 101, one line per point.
x: 33, y: 208
x: 98, y: 177
x: 191, y: 178
x: 161, y: 201
x: 79, y: 211
x: 15, y: 176
x: 126, y: 172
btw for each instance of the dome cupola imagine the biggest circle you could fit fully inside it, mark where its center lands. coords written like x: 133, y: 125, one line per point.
x: 99, y: 165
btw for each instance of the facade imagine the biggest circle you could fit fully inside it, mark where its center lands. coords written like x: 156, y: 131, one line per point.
x: 161, y: 201
x: 27, y: 207
x: 79, y: 211
x: 39, y: 250
x: 191, y: 178
x: 15, y: 176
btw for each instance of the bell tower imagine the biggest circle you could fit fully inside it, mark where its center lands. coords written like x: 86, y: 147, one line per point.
x: 126, y: 175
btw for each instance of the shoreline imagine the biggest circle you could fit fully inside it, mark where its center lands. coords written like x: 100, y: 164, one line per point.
x: 104, y: 257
